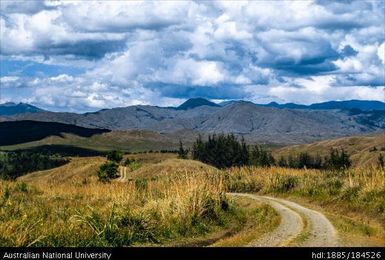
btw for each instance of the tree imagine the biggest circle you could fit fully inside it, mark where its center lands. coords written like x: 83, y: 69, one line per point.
x: 261, y: 158
x: 198, y: 149
x: 222, y: 151
x: 182, y: 153
x: 282, y: 162
x: 115, y: 156
x: 338, y: 160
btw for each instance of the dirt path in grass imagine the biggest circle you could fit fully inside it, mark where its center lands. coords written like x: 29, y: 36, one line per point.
x: 292, y: 230
x: 123, y: 176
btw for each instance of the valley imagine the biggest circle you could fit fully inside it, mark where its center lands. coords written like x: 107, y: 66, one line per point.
x: 158, y: 191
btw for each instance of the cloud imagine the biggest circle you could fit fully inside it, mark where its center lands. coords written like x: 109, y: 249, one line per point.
x: 86, y: 55
x: 381, y: 52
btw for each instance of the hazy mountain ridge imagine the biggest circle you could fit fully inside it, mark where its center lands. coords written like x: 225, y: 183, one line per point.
x: 10, y: 108
x: 348, y: 104
x: 255, y: 123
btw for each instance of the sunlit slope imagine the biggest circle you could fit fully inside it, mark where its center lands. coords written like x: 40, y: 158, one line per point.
x: 78, y: 170
x: 364, y: 150
x: 171, y: 168
x: 115, y: 140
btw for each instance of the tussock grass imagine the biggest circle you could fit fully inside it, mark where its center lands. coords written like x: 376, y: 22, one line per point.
x: 357, y: 189
x: 112, y: 214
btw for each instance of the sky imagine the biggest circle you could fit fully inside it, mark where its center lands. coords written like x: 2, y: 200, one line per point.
x: 83, y: 56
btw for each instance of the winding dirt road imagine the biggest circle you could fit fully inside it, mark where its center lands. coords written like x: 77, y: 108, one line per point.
x: 299, y: 226
x: 318, y: 232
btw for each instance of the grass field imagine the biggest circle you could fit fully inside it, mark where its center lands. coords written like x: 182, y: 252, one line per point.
x: 168, y: 201
x: 357, y: 189
x: 67, y: 206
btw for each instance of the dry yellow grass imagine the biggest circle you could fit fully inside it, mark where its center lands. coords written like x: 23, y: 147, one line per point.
x: 78, y: 170
x: 57, y: 208
x: 172, y: 167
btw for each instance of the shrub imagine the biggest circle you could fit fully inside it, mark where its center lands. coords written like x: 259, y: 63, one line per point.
x: 107, y: 171
x: 21, y: 186
x: 115, y: 156
x: 132, y: 164
x: 286, y: 183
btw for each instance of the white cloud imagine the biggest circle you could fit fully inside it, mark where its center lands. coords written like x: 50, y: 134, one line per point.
x: 381, y: 53
x: 157, y: 52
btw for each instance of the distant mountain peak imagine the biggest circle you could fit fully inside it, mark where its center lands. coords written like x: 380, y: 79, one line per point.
x: 10, y: 108
x: 196, y: 102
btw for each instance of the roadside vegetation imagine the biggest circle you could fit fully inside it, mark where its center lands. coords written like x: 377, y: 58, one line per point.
x: 357, y: 190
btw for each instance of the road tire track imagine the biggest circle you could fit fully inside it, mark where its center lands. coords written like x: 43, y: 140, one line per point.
x: 322, y: 232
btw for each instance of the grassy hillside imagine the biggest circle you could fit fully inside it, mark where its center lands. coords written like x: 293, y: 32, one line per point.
x: 134, y: 141
x: 78, y: 170
x: 168, y: 201
x: 360, y: 148
x: 82, y: 170
x: 172, y: 168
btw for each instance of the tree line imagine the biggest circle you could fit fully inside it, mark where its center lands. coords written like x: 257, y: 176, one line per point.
x: 224, y: 151
x: 15, y: 164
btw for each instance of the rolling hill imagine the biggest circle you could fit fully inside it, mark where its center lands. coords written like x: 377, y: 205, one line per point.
x: 363, y: 150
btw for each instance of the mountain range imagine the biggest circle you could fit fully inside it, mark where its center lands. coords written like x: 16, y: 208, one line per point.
x: 257, y: 123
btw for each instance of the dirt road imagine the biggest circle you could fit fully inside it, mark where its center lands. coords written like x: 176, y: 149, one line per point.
x: 292, y: 230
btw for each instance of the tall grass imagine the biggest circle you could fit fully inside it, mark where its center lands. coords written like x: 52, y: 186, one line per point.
x: 359, y: 189
x: 113, y: 214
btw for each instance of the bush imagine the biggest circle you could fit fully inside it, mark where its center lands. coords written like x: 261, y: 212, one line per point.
x: 286, y: 183
x: 107, y: 171
x: 115, y: 156
x: 21, y: 186
x: 132, y: 164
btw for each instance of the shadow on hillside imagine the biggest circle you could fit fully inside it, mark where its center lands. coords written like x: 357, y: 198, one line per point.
x: 18, y: 132
x: 64, y: 150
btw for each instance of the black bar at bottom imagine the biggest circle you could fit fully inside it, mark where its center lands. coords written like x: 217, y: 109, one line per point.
x: 196, y: 253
